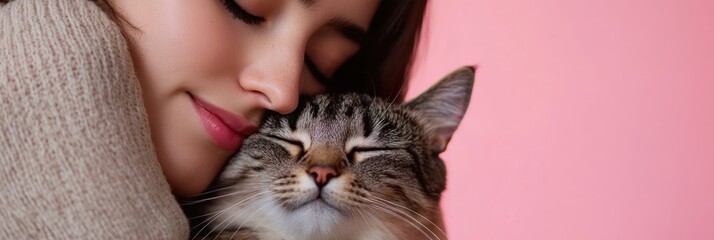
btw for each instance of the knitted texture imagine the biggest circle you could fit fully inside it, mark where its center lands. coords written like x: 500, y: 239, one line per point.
x: 76, y: 158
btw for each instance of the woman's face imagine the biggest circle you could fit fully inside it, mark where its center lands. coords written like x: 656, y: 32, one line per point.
x: 209, y: 68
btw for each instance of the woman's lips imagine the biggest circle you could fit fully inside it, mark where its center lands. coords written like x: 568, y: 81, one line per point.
x: 226, y: 129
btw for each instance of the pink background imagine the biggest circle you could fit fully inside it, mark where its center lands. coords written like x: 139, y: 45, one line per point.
x: 589, y: 119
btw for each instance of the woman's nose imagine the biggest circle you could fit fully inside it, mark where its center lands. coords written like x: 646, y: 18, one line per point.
x: 274, y: 74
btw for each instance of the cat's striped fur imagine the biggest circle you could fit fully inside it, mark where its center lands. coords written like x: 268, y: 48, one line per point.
x: 385, y: 177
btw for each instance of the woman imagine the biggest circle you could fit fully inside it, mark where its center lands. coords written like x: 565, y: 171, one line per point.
x: 98, y: 97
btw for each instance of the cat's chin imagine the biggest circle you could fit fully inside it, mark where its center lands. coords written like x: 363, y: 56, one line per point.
x: 319, y: 207
x: 317, y: 216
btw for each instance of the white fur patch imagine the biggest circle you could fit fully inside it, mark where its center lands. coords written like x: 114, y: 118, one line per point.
x: 361, y: 142
x: 303, y: 137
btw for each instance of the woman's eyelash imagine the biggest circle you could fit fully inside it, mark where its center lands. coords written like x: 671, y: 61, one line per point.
x: 239, y: 13
x: 319, y: 76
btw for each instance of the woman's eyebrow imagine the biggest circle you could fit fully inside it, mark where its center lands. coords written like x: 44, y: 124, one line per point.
x: 308, y: 3
x: 349, y: 29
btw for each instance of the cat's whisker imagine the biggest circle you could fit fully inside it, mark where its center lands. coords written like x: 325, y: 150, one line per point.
x: 259, y: 222
x: 371, y: 222
x: 253, y: 197
x: 404, y: 83
x: 374, y: 86
x: 233, y: 218
x: 377, y: 214
x: 219, y: 213
x: 374, y: 219
x: 353, y: 213
x: 391, y: 102
x: 403, y: 207
x: 258, y: 210
x: 385, y: 210
x: 408, y: 215
x: 216, y: 214
x: 186, y: 203
x: 208, y: 191
x: 364, y: 218
x: 350, y: 210
x: 203, y: 215
x: 210, y: 213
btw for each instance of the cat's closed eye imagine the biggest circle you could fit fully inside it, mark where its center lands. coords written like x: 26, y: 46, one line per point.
x: 357, y: 154
x: 295, y: 147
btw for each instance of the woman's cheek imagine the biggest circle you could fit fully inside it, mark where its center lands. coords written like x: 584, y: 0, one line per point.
x: 329, y: 50
x: 201, y: 41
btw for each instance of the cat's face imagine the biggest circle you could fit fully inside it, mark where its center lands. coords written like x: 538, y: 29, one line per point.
x: 342, y: 165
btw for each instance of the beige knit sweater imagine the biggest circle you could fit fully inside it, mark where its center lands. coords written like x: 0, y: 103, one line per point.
x: 76, y: 159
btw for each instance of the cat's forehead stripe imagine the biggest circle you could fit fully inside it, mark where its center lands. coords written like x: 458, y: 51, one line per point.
x: 314, y: 109
x: 355, y: 115
x: 294, y: 118
x: 332, y: 108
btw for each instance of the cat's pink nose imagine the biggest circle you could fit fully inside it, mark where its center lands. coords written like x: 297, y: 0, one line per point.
x: 322, y: 174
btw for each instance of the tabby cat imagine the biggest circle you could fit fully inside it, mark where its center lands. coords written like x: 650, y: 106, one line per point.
x: 341, y: 166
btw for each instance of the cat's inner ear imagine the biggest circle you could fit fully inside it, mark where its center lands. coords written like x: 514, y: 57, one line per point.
x: 442, y: 106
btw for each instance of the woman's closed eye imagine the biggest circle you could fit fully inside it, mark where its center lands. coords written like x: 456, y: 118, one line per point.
x: 328, y: 49
x: 237, y: 12
x: 315, y: 71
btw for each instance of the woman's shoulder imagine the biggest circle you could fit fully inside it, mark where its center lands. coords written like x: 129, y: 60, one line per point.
x: 66, y: 55
x: 74, y: 130
x: 64, y: 49
x: 69, y: 36
x: 66, y: 59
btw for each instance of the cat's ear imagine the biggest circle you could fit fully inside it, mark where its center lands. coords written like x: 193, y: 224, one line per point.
x: 443, y: 106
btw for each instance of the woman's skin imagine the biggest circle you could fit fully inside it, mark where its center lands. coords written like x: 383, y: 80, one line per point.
x: 208, y: 74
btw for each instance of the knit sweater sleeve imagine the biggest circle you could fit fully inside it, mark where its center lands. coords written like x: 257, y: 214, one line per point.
x: 76, y: 158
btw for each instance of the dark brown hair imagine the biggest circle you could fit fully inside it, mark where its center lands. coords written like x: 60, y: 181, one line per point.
x: 381, y: 67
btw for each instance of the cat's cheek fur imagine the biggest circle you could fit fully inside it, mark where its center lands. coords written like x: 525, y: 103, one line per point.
x: 337, y: 192
x: 294, y: 191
